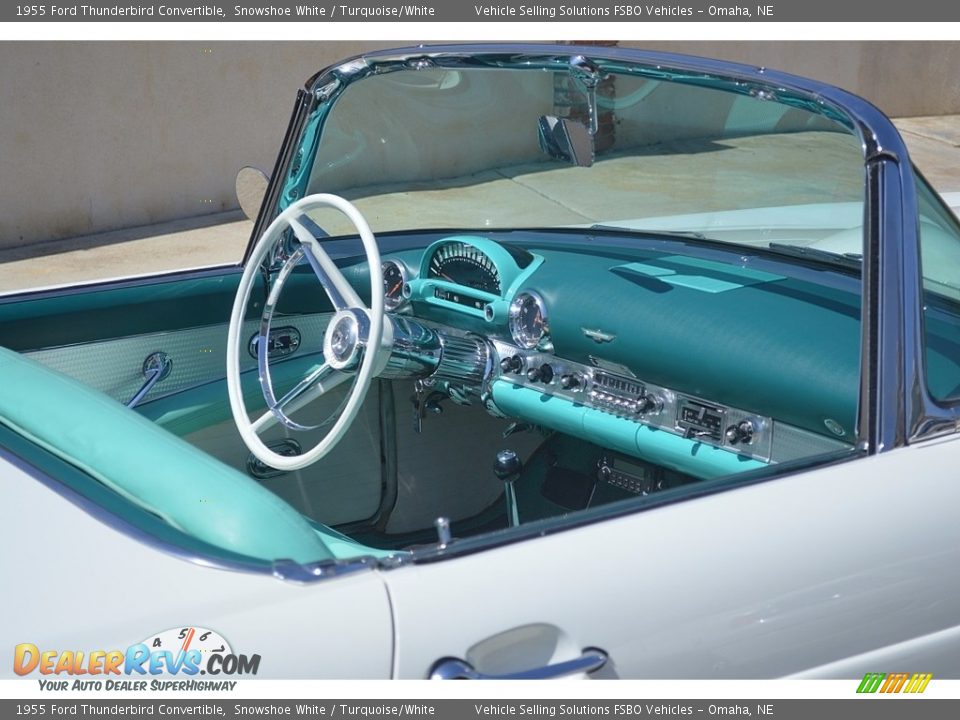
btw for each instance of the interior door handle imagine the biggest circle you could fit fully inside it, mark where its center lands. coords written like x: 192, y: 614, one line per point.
x: 155, y: 368
x: 450, y: 668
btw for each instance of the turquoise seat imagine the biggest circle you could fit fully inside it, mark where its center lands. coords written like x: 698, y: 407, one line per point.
x: 156, y: 470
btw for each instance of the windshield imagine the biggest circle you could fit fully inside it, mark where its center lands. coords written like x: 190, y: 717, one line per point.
x: 471, y: 148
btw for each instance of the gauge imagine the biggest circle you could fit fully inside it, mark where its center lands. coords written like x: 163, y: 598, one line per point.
x: 465, y: 265
x: 528, y: 319
x: 202, y: 642
x: 393, y: 281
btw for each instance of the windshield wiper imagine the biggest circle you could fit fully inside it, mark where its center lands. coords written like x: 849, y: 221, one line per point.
x: 849, y: 260
x: 645, y: 231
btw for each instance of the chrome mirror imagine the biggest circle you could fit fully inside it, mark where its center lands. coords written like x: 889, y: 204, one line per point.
x: 564, y: 138
x: 567, y: 140
x: 251, y: 187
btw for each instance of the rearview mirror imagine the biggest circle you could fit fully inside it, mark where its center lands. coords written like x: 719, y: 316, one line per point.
x: 567, y: 140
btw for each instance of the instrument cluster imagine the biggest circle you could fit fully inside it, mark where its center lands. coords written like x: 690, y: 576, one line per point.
x: 476, y: 277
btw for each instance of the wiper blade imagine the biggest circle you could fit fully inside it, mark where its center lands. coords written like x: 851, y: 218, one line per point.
x: 850, y: 260
x: 646, y: 231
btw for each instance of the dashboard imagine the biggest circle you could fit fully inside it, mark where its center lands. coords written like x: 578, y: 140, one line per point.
x: 704, y: 365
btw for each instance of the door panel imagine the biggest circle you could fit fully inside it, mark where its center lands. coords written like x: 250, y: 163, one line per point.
x: 774, y: 579
x: 33, y: 321
x: 103, y: 589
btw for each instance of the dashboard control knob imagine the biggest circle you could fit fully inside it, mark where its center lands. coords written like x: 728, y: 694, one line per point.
x: 514, y: 363
x: 543, y: 374
x: 648, y: 403
x: 569, y: 381
x: 507, y: 465
x: 742, y: 432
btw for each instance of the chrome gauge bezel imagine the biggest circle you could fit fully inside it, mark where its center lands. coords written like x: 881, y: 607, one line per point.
x: 519, y: 334
x: 388, y: 302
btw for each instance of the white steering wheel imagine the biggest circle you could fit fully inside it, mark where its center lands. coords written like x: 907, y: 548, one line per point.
x: 356, y: 344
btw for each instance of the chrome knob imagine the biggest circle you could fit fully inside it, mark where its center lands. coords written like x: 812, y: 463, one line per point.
x: 742, y: 432
x: 507, y: 464
x: 544, y: 373
x: 507, y: 468
x: 514, y: 363
x: 648, y: 403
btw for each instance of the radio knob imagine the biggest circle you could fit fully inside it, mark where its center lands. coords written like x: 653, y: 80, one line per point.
x: 514, y: 363
x: 742, y: 432
x: 544, y: 374
x: 569, y: 381
x: 648, y: 403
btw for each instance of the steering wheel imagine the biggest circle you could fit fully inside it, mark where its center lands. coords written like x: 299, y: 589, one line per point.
x: 356, y: 343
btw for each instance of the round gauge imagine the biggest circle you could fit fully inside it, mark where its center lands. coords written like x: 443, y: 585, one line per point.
x: 528, y: 319
x: 185, y: 639
x: 465, y: 265
x: 393, y: 281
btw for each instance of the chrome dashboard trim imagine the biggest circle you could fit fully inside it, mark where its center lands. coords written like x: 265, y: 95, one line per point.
x: 636, y: 400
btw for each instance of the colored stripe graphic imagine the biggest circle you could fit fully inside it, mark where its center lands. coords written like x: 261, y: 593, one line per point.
x: 918, y: 683
x: 871, y: 682
x: 894, y: 682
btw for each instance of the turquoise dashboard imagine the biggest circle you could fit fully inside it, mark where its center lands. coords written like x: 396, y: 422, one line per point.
x: 707, y: 363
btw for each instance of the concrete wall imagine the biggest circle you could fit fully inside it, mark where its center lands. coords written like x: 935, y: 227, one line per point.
x: 100, y: 136
x: 901, y: 78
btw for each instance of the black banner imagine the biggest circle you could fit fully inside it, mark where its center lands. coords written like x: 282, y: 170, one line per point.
x: 854, y: 709
x: 485, y: 10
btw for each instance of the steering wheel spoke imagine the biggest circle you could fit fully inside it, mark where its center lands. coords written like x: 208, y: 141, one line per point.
x: 340, y: 292
x: 322, y: 380
x: 355, y: 342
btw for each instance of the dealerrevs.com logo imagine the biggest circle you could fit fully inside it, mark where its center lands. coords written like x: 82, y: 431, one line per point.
x: 153, y: 664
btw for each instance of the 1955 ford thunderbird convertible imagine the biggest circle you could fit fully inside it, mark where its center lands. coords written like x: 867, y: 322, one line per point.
x: 542, y: 361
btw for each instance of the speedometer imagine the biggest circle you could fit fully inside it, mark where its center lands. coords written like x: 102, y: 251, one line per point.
x: 465, y: 265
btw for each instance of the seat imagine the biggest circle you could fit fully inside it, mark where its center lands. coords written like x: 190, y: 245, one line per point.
x: 156, y: 470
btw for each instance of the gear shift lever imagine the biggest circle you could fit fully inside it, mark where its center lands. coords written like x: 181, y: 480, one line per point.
x: 507, y: 468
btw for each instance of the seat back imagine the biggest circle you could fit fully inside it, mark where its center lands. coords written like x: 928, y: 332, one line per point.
x: 152, y: 468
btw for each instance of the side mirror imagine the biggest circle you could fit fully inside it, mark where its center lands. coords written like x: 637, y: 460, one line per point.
x: 251, y: 187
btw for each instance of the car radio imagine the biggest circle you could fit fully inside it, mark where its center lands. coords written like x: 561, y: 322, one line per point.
x: 625, y: 396
x: 634, y: 477
x: 698, y: 420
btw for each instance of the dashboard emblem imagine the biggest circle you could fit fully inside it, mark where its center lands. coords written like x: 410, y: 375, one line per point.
x: 598, y: 336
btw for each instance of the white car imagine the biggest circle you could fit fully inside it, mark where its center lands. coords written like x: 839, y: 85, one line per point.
x: 543, y: 361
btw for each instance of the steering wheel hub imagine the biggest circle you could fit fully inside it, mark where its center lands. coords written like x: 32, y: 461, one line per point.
x: 347, y: 333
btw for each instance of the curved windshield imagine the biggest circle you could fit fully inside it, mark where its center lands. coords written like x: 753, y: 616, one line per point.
x: 508, y: 148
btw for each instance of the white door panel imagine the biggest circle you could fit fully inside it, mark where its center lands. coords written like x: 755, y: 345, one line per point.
x: 103, y: 590
x: 767, y: 580
x: 940, y: 650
